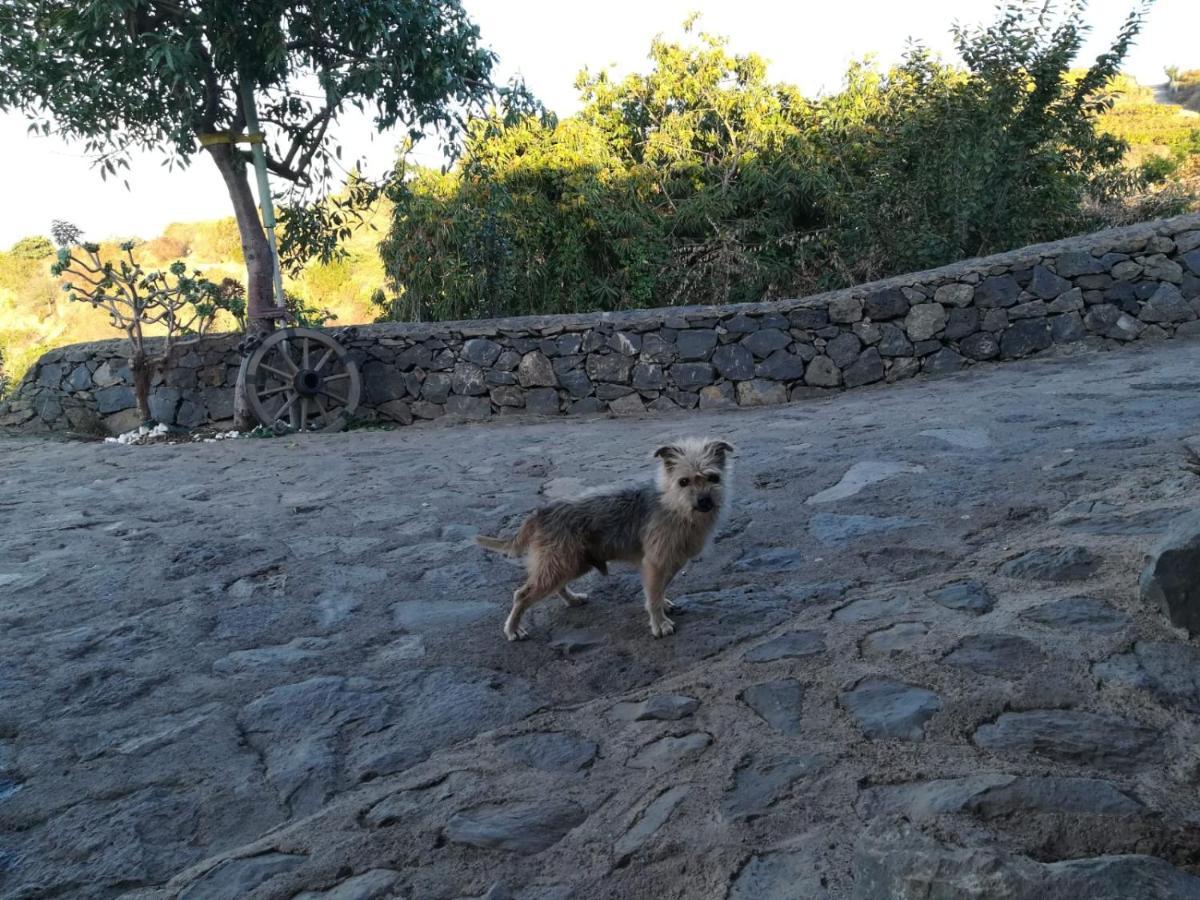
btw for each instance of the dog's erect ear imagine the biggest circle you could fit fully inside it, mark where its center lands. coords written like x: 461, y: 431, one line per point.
x: 668, y: 455
x: 719, y: 450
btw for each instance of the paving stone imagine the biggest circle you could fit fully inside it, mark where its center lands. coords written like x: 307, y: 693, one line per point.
x: 1074, y: 736
x: 1078, y: 614
x: 238, y: 877
x: 553, y: 751
x: 671, y: 752
x: 1054, y: 564
x: 831, y: 528
x: 376, y: 884
x: 653, y: 818
x: 1170, y: 580
x: 516, y: 826
x: 898, y: 638
x: 998, y: 655
x: 1168, y: 670
x: 660, y: 707
x: 791, y: 645
x: 868, y: 608
x: 761, y: 782
x: 778, y: 703
x: 968, y: 596
x: 891, y: 710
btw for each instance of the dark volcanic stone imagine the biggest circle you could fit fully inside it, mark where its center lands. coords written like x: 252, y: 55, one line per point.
x: 980, y: 346
x: 664, y: 707
x: 788, y: 646
x: 998, y: 655
x: 521, y: 826
x: 1024, y: 337
x: 758, y: 784
x: 1076, y: 263
x: 553, y: 751
x: 1071, y: 735
x: 763, y: 343
x: 781, y: 366
x: 1046, y: 285
x: 867, y: 369
x: 1170, y: 671
x: 997, y: 291
x: 961, y: 322
x: 1078, y: 614
x: 670, y: 752
x: 969, y: 596
x: 889, y: 304
x: 778, y: 703
x: 891, y: 710
x: 1052, y: 564
x: 1171, y: 579
x: 943, y: 362
x: 734, y: 362
x: 893, y: 341
x: 239, y: 877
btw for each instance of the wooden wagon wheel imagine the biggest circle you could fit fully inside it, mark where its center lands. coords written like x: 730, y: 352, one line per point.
x: 302, y: 380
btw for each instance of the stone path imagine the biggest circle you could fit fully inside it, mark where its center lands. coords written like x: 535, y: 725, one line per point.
x: 913, y: 659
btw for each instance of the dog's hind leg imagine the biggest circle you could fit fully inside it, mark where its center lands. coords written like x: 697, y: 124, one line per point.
x: 546, y: 577
x: 570, y: 597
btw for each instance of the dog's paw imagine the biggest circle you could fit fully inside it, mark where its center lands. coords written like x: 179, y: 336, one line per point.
x: 516, y: 634
x: 575, y: 599
x: 662, y: 628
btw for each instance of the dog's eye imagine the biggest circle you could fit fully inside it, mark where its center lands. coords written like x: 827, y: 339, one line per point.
x: 715, y: 479
x: 683, y: 482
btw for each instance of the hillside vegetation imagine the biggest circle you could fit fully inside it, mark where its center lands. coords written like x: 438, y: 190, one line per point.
x: 702, y: 181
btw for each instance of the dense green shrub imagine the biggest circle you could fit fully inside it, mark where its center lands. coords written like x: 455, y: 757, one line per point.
x: 703, y: 182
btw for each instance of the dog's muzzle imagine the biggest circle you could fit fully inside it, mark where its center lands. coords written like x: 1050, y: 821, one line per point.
x: 705, y: 504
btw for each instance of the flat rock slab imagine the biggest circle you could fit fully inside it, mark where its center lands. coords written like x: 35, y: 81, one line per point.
x: 891, y: 710
x: 778, y: 703
x: 671, y: 752
x: 862, y: 475
x: 770, y: 559
x: 782, y: 875
x: 1052, y: 564
x: 519, y: 827
x: 1076, y: 736
x: 998, y: 795
x: 831, y: 528
x: 792, y: 645
x: 966, y: 438
x: 1170, y: 671
x: 1078, y: 614
x: 967, y: 596
x: 238, y: 877
x: 888, y: 862
x: 554, y: 751
x: 663, y: 707
x: 898, y: 638
x: 1171, y: 579
x: 998, y: 655
x: 376, y: 884
x: 760, y: 783
x: 868, y: 608
x: 653, y: 817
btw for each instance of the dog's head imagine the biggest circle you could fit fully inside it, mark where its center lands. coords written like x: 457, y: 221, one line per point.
x: 694, y: 474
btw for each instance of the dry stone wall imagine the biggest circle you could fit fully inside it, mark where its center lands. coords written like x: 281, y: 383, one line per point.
x: 1098, y: 291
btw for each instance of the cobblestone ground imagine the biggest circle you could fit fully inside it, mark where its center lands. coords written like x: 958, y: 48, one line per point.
x: 912, y: 663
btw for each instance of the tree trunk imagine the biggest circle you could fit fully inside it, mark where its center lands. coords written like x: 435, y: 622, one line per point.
x: 139, y: 367
x: 260, y: 272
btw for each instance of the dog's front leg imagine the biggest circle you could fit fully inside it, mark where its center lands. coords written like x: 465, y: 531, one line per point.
x: 655, y: 578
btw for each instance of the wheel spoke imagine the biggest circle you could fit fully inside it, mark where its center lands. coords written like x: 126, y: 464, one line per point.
x: 286, y: 409
x: 338, y: 377
x: 304, y: 357
x: 282, y: 376
x: 321, y: 406
x: 285, y: 350
x: 324, y: 359
x: 303, y: 413
x: 263, y: 395
x: 332, y: 396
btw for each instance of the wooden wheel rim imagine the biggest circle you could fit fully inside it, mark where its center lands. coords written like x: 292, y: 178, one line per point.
x: 302, y: 380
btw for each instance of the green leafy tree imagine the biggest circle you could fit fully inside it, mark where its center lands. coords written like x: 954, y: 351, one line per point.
x: 166, y: 75
x: 701, y: 181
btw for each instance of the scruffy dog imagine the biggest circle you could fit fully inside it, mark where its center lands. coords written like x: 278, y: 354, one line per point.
x: 658, y: 528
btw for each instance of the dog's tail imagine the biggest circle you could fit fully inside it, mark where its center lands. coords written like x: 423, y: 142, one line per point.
x: 514, y: 546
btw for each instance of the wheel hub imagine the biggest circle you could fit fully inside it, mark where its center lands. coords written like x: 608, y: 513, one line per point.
x: 307, y: 383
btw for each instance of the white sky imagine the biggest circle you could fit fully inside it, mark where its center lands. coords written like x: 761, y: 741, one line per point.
x: 806, y: 43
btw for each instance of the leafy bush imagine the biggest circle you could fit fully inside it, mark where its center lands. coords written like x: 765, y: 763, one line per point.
x: 703, y: 182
